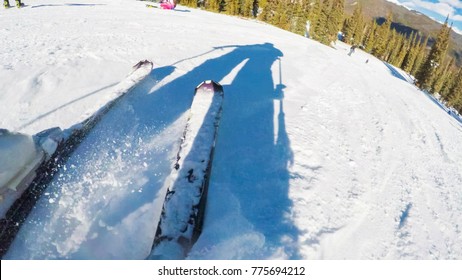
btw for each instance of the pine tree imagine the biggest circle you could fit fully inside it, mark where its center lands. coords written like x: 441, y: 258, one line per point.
x: 427, y: 71
x: 456, y: 89
x: 348, y: 30
x: 321, y: 31
x: 232, y: 7
x: 314, y: 15
x: 190, y: 3
x: 411, y: 55
x: 383, y: 33
x: 420, y: 57
x: 359, y: 29
x: 247, y: 8
x: 448, y: 83
x: 214, y: 5
x: 281, y: 18
x: 405, y: 46
x: 370, y: 39
x: 335, y: 19
x: 456, y: 102
x: 351, y: 24
x: 267, y: 8
x: 454, y: 95
x: 302, y: 10
x: 393, y: 45
x: 262, y: 4
x: 442, y: 74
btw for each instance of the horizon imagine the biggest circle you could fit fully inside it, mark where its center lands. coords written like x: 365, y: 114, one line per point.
x: 437, y: 10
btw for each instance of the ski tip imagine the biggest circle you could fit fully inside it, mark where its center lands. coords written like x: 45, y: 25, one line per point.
x: 210, y: 85
x: 142, y: 63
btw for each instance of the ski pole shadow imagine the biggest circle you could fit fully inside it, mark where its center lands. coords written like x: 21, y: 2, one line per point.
x: 64, y: 106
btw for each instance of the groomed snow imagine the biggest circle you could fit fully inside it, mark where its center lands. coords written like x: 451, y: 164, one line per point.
x: 319, y: 155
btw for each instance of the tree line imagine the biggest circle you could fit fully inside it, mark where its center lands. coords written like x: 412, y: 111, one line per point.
x: 433, y: 69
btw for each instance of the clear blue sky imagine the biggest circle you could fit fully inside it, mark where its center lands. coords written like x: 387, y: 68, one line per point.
x: 437, y: 9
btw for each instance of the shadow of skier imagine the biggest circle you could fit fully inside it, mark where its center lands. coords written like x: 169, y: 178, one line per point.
x: 250, y: 169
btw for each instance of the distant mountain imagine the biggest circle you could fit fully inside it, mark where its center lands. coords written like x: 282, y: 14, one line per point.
x: 406, y: 21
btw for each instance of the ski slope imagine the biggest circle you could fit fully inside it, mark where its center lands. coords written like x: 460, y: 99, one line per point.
x: 319, y: 155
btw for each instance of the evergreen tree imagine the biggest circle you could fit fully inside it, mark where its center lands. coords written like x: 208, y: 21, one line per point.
x: 348, y: 30
x: 214, y: 5
x: 360, y: 25
x: 454, y: 96
x: 262, y: 4
x: 456, y: 102
x: 392, y: 46
x: 370, y: 39
x: 420, y: 57
x: 411, y: 55
x: 267, y: 7
x: 314, y: 16
x: 281, y: 18
x: 321, y: 31
x: 301, y: 16
x: 383, y: 33
x: 352, y: 25
x: 232, y: 7
x: 456, y: 89
x: 427, y: 71
x: 335, y: 19
x: 405, y: 46
x: 190, y: 3
x: 247, y: 8
x: 442, y: 74
x: 448, y: 83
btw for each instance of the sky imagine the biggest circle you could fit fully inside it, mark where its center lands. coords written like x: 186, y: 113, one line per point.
x: 437, y: 9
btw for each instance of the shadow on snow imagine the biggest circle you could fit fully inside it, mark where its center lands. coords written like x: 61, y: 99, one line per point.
x: 124, y: 161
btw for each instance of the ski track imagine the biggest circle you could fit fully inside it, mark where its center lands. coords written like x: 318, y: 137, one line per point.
x: 396, y: 150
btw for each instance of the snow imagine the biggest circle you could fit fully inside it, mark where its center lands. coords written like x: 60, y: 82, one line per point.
x: 319, y: 156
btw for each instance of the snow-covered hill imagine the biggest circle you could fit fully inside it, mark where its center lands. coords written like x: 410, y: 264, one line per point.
x: 320, y: 155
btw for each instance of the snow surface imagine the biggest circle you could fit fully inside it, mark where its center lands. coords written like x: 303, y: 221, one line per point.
x: 319, y: 156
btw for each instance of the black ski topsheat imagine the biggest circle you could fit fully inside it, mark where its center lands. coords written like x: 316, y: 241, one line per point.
x: 183, y: 211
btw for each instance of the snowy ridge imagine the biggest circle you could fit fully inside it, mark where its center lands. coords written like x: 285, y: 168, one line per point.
x: 184, y: 205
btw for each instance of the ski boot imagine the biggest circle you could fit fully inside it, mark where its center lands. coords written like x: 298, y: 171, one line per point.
x: 18, y: 4
x: 6, y: 4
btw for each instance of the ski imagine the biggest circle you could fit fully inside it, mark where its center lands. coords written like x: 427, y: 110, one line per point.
x: 183, y: 211
x: 63, y: 143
